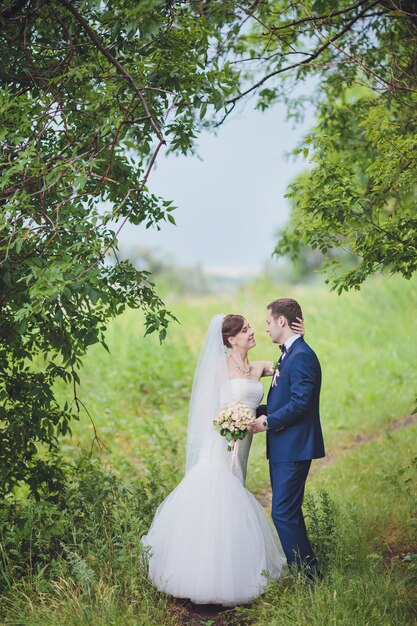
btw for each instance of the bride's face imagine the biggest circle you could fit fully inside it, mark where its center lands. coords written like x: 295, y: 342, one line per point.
x: 245, y: 338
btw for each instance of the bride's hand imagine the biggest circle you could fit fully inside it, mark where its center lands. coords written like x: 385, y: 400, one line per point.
x: 298, y: 326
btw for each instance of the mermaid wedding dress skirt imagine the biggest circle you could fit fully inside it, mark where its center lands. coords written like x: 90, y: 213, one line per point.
x: 211, y: 541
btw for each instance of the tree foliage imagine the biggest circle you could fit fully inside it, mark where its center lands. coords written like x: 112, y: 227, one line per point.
x: 361, y: 57
x: 90, y: 93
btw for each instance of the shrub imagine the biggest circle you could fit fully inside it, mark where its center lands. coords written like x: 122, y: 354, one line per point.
x: 93, y: 526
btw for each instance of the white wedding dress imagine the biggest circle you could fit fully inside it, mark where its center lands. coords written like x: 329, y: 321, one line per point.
x: 211, y: 541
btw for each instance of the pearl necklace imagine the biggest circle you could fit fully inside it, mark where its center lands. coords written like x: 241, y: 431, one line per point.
x: 248, y: 373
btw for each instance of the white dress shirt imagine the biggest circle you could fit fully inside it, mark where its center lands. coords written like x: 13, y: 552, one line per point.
x: 288, y: 345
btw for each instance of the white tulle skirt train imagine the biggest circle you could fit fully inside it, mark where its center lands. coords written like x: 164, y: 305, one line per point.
x: 211, y: 541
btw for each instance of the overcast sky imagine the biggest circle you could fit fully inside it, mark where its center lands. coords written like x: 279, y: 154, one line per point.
x: 230, y: 203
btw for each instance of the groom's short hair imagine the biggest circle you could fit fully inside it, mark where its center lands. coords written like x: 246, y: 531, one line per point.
x: 287, y: 307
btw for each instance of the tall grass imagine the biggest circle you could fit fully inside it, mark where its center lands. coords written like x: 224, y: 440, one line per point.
x: 65, y: 604
x: 138, y: 394
x: 365, y: 527
x: 77, y: 560
x: 361, y: 514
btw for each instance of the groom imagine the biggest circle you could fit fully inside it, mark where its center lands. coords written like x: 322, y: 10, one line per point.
x: 294, y: 437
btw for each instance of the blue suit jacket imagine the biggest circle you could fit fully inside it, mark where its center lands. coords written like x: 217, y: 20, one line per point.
x: 293, y: 407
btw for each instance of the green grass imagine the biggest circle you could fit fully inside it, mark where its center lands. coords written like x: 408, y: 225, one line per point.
x: 138, y: 397
x: 369, y: 580
x: 66, y: 605
x: 141, y: 389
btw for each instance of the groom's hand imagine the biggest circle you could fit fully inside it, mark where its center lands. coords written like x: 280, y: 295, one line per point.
x: 258, y: 424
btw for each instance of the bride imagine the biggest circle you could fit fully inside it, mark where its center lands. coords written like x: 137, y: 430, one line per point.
x: 211, y: 541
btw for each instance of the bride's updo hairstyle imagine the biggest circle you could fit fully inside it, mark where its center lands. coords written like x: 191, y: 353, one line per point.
x: 232, y: 325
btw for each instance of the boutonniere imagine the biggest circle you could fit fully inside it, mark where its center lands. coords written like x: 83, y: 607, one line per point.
x: 275, y: 367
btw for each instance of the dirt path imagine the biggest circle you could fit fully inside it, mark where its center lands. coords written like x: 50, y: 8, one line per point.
x: 338, y: 451
x: 190, y: 614
x: 360, y: 440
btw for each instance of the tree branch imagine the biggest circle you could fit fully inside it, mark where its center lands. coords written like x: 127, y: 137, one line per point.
x: 321, y: 17
x: 96, y: 40
x: 13, y: 9
x: 310, y: 58
x: 365, y: 68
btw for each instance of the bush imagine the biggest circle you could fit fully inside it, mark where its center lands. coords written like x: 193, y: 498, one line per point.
x: 324, y: 527
x: 87, y: 536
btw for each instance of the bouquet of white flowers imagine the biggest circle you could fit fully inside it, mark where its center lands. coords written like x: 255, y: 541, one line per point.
x: 233, y: 421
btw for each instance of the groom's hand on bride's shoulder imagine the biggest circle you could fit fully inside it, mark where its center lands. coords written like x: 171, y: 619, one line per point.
x: 258, y: 424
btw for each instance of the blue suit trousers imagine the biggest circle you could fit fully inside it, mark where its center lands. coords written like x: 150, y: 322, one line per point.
x: 288, y: 482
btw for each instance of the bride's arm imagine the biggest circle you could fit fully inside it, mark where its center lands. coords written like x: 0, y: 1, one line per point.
x: 264, y: 368
x: 268, y: 368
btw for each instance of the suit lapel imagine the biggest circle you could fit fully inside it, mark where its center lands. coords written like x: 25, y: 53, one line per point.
x: 282, y: 362
x: 296, y: 342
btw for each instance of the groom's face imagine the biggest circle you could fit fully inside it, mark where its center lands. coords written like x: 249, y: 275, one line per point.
x: 274, y: 328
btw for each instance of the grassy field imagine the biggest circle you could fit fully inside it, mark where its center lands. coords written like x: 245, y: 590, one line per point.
x: 368, y: 534
x: 364, y: 341
x: 361, y: 506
